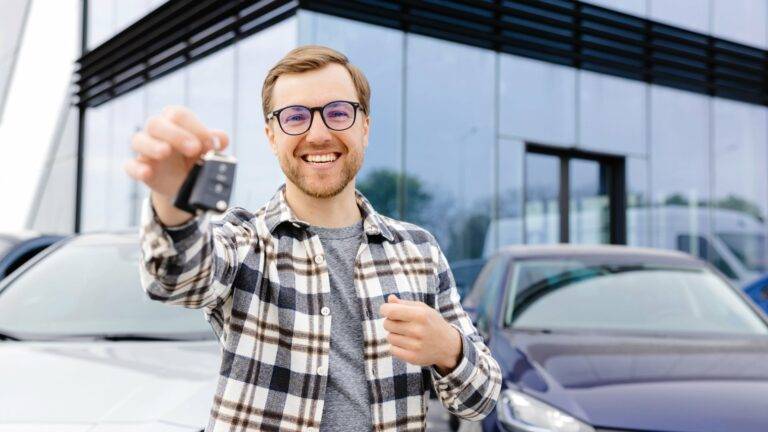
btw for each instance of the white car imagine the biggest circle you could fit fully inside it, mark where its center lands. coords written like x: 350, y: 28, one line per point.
x: 82, y: 348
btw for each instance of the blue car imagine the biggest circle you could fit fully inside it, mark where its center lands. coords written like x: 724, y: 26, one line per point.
x: 611, y: 338
x: 19, y: 247
x: 758, y: 291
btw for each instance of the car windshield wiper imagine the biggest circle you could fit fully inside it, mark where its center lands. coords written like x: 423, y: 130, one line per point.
x: 5, y: 336
x: 133, y: 337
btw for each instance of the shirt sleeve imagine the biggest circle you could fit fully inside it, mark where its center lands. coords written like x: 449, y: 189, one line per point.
x: 194, y: 264
x: 471, y: 389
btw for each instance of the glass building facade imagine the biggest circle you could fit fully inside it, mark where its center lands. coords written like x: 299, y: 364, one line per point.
x: 480, y: 146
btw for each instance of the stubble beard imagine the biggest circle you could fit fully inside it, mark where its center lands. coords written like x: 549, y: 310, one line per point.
x: 325, y: 188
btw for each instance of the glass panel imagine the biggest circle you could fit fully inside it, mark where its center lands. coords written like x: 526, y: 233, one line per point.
x: 99, y: 123
x: 128, y: 12
x: 638, y: 202
x: 53, y: 208
x: 449, y: 143
x: 210, y: 90
x: 101, y: 21
x: 508, y: 229
x: 378, y: 178
x: 740, y: 21
x: 680, y: 165
x: 542, y: 192
x: 633, y: 7
x: 124, y: 196
x: 689, y: 14
x: 740, y: 194
x: 106, y: 18
x: 258, y: 174
x: 110, y: 197
x: 612, y: 114
x: 589, y: 209
x: 168, y: 90
x: 537, y: 101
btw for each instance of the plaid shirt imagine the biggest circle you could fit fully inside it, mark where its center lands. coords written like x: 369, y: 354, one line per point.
x: 262, y: 281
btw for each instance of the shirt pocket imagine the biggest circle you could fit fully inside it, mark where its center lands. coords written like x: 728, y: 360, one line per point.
x: 414, y: 279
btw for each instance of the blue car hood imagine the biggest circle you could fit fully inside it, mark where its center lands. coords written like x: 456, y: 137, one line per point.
x: 671, y: 384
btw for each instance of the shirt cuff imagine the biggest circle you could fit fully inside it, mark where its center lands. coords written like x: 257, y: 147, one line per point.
x: 454, y: 381
x: 158, y: 240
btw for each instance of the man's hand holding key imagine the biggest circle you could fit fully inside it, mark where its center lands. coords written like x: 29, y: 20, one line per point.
x: 168, y: 147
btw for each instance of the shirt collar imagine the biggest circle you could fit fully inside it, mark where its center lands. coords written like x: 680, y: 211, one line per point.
x: 278, y: 212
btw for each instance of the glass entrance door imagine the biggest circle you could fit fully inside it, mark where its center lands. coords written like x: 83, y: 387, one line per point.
x: 589, y: 203
x: 573, y: 196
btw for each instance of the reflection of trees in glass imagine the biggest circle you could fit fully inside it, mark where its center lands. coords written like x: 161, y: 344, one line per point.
x: 676, y: 199
x: 467, y: 236
x: 380, y: 186
x: 459, y: 228
x: 731, y: 202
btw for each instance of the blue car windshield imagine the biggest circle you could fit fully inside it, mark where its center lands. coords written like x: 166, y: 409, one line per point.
x: 571, y: 295
x: 90, y: 286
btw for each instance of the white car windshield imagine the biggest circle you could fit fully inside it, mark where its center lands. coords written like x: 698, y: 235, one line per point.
x: 90, y: 286
x: 572, y: 295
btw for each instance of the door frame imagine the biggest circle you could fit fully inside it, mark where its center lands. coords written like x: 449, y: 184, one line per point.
x: 615, y: 168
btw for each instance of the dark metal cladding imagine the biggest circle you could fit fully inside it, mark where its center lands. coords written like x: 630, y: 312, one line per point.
x: 566, y: 32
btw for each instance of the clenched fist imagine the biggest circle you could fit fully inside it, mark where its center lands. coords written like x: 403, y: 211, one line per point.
x: 419, y: 335
x: 167, y: 148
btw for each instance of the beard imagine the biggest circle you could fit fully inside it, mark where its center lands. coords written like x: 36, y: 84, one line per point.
x: 322, y: 184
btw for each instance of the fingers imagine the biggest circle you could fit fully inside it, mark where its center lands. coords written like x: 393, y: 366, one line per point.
x: 399, y: 327
x: 395, y: 299
x: 403, y: 354
x: 183, y: 141
x: 398, y: 312
x: 140, y: 171
x: 150, y: 147
x: 404, y: 342
x: 221, y: 137
x: 184, y: 118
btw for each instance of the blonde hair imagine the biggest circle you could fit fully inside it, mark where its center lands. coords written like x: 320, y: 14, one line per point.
x: 310, y: 57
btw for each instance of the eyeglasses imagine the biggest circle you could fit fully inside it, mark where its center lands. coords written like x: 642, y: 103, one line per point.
x: 297, y: 119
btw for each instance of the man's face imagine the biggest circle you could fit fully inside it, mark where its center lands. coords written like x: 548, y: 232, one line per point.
x: 337, y: 155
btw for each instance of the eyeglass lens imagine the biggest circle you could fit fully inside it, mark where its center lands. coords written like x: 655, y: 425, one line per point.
x: 336, y: 115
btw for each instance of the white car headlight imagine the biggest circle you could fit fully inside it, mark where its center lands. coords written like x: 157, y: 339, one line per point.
x: 519, y: 412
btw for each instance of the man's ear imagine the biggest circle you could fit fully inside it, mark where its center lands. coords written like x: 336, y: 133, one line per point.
x: 366, y: 130
x: 271, y: 138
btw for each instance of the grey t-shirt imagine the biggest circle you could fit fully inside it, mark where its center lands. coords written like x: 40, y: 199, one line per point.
x: 347, y: 404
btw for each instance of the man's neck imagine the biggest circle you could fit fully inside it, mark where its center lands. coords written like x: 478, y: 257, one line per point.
x: 335, y: 212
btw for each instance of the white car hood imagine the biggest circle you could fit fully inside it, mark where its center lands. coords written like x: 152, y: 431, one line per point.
x: 107, y: 386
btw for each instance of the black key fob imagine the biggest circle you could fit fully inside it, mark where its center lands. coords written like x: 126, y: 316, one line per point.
x: 208, y: 186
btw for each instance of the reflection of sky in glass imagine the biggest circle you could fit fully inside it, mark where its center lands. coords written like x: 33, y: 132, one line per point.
x: 11, y: 25
x: 450, y: 138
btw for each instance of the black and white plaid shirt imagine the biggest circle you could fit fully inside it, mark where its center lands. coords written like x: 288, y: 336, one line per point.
x: 262, y: 281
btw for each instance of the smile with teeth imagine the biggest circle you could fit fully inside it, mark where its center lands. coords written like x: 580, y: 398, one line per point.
x: 321, y: 159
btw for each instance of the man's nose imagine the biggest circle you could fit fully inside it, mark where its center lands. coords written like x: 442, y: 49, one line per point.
x: 318, y: 132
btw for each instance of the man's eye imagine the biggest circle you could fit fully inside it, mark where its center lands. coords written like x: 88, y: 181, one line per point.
x: 333, y: 114
x: 295, y: 118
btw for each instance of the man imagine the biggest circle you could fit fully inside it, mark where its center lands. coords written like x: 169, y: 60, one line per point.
x: 331, y: 317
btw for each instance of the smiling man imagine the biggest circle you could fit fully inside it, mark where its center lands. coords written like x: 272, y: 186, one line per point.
x: 331, y: 316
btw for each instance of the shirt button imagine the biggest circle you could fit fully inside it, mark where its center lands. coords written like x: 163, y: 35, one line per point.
x: 325, y: 310
x: 321, y: 370
x: 319, y: 259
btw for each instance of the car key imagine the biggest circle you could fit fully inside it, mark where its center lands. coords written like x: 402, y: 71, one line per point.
x: 208, y: 185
